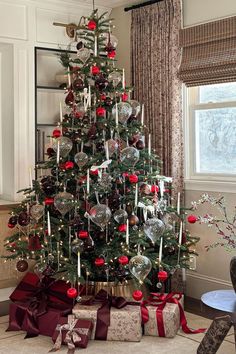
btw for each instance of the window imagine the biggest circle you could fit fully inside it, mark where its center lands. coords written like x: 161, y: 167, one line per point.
x: 211, y: 132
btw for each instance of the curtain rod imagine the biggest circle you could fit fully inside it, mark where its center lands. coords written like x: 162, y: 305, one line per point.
x: 141, y: 5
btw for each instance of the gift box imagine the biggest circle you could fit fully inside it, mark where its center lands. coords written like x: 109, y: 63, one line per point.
x: 163, y: 314
x: 37, y: 305
x: 73, y: 332
x: 114, y: 318
x: 26, y: 317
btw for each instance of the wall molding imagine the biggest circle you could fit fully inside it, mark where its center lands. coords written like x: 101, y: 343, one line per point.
x: 210, y: 186
x: 204, y: 277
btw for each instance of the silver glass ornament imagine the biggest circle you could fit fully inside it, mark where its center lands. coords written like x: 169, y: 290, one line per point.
x: 63, y: 202
x: 105, y: 180
x: 65, y: 145
x: 37, y: 211
x: 124, y: 111
x: 140, y: 266
x: 81, y: 158
x: 100, y: 215
x: 129, y: 156
x: 154, y: 229
x: 83, y: 54
x: 120, y: 216
x: 135, y: 107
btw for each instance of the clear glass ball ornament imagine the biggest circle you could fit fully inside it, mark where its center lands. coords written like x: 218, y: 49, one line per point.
x: 100, y: 215
x: 81, y: 158
x: 124, y: 112
x: 135, y: 107
x: 65, y: 145
x: 113, y: 40
x: 154, y: 229
x: 37, y: 211
x: 120, y: 216
x: 83, y: 54
x: 140, y: 266
x: 115, y: 77
x: 63, y: 202
x: 77, y: 245
x: 129, y: 156
x: 112, y: 146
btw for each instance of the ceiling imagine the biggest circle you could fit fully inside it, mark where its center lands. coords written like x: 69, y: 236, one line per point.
x: 114, y: 3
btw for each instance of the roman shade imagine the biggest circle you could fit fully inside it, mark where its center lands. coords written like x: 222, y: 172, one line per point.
x: 208, y: 53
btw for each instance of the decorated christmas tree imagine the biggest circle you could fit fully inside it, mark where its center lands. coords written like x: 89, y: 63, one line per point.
x: 103, y: 212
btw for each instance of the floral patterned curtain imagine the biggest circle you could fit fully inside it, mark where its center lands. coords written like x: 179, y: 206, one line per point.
x: 155, y: 59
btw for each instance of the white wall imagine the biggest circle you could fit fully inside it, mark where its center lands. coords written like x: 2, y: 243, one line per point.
x: 212, y: 267
x: 25, y: 24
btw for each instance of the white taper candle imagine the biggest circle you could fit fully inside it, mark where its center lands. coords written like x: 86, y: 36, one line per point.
x: 69, y: 78
x: 49, y: 224
x: 117, y: 116
x: 180, y: 233
x: 161, y: 185
x: 136, y: 196
x: 88, y: 181
x: 58, y: 152
x: 160, y: 250
x: 127, y: 232
x: 149, y: 144
x: 61, y: 115
x: 142, y: 115
x: 79, y: 265
x: 178, y: 203
x: 95, y: 45
x: 123, y: 79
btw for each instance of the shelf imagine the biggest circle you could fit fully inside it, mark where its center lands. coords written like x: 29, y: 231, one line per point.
x: 50, y: 88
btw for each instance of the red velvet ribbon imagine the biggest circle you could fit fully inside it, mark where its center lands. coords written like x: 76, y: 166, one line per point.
x: 103, y: 313
x: 35, y: 304
x: 159, y: 301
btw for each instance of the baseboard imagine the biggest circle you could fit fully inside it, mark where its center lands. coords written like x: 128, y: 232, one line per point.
x: 198, y: 284
x: 4, y: 308
x: 5, y: 293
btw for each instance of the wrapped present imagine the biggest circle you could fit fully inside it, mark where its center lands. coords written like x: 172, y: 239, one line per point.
x: 72, y: 332
x: 31, y: 286
x: 163, y: 314
x: 29, y: 317
x: 37, y: 305
x: 114, y: 318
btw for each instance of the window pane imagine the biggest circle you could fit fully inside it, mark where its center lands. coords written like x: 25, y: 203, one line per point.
x: 218, y: 93
x: 215, y: 139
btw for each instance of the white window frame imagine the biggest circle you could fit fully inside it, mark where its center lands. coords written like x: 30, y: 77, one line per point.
x: 193, y: 180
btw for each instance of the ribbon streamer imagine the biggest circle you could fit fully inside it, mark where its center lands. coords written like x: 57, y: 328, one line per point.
x: 105, y: 164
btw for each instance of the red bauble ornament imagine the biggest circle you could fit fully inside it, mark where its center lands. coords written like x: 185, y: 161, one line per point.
x: 69, y: 165
x: 145, y: 189
x: 94, y: 173
x: 100, y: 111
x: 124, y: 97
x: 133, y: 178
x: 95, y: 70
x: 140, y: 145
x: 99, y: 262
x: 167, y: 190
x: 112, y: 54
x: 49, y: 201
x: 69, y: 100
x: 56, y: 133
x: 192, y: 219
x: 83, y: 234
x: 125, y: 174
x: 50, y: 152
x: 34, y: 243
x: 12, y: 221
x: 92, y: 25
x: 137, y: 295
x: 72, y: 293
x: 22, y: 265
x: 162, y: 275
x: 103, y: 97
x: 154, y: 188
x: 123, y: 260
x: 122, y: 227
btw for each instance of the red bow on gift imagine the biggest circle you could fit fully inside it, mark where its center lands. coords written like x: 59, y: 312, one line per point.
x: 159, y: 301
